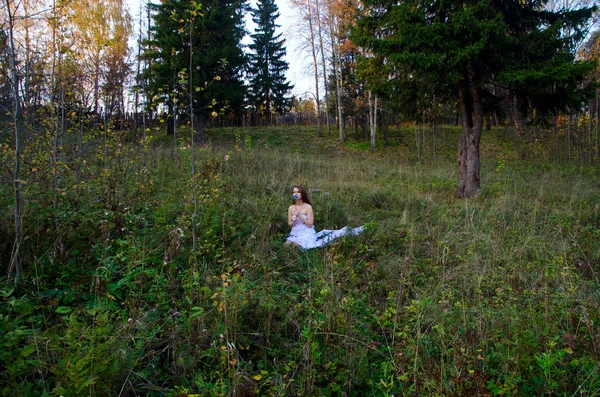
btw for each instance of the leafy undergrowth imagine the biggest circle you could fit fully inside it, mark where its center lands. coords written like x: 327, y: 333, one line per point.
x: 497, y: 295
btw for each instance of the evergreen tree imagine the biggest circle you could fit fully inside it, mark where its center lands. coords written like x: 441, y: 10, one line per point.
x: 468, y: 47
x: 214, y: 38
x: 268, y: 86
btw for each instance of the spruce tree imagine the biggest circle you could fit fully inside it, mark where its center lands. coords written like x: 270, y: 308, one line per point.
x: 476, y: 49
x: 268, y: 86
x: 217, y: 61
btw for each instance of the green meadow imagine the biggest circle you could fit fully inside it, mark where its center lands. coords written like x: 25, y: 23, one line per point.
x: 142, y: 277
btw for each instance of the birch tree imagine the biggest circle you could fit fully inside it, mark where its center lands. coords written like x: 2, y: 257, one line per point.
x: 102, y: 29
x: 10, y: 10
x: 340, y: 16
x: 310, y: 16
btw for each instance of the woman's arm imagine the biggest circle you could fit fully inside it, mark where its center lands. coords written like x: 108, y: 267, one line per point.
x: 308, y: 222
x: 290, y: 216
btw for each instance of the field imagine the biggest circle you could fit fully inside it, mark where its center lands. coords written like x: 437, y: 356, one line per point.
x: 496, y: 295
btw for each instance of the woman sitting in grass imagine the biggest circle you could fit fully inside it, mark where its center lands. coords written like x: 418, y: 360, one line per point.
x: 301, y: 220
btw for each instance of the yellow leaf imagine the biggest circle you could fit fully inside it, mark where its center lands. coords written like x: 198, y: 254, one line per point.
x: 257, y: 377
x: 568, y: 350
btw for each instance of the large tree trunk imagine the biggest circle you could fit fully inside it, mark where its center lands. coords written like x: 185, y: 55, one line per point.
x: 471, y: 106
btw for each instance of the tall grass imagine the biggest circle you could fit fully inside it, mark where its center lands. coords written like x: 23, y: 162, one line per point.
x: 496, y: 295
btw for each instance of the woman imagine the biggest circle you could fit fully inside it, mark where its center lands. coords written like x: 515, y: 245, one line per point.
x: 301, y: 220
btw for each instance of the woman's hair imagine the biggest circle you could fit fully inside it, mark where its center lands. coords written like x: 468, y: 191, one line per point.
x: 304, y: 194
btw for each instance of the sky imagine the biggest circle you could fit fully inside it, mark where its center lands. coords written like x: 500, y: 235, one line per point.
x: 298, y: 72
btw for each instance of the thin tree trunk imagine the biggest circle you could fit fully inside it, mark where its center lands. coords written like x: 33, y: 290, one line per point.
x: 385, y: 124
x: 370, y: 103
x: 497, y: 127
x: 28, y: 72
x: 569, y: 137
x: 192, y: 139
x: 97, y: 83
x: 15, y: 260
x: 589, y: 152
x: 52, y: 155
x: 174, y: 138
x: 323, y: 64
x: 315, y: 67
x: 596, y: 115
x: 137, y: 76
x: 373, y: 120
x: 338, y: 82
x: 434, y: 133
x: 80, y: 144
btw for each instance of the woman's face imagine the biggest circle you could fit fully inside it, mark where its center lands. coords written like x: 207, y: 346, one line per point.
x: 296, y: 194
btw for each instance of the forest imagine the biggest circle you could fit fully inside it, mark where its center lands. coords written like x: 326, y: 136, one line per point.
x: 147, y: 163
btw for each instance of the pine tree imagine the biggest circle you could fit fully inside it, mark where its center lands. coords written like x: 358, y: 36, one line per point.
x: 268, y: 86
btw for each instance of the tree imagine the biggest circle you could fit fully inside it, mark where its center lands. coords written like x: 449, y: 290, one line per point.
x: 15, y: 113
x: 162, y: 52
x: 308, y: 15
x: 320, y: 28
x: 268, y: 85
x: 5, y: 86
x: 340, y: 16
x: 472, y: 46
x: 115, y: 65
x: 591, y: 51
x: 217, y: 58
x: 100, y: 38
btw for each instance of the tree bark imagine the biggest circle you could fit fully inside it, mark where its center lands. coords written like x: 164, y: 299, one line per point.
x: 385, y: 118
x: 315, y: 67
x: 338, y: 81
x: 323, y: 64
x: 200, y: 126
x: 170, y: 125
x: 15, y: 262
x: 471, y: 107
x: 373, y: 120
x: 519, y: 110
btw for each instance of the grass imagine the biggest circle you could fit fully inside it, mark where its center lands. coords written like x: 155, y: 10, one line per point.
x: 496, y: 295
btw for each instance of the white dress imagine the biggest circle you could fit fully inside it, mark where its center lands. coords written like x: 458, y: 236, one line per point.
x: 307, y: 238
